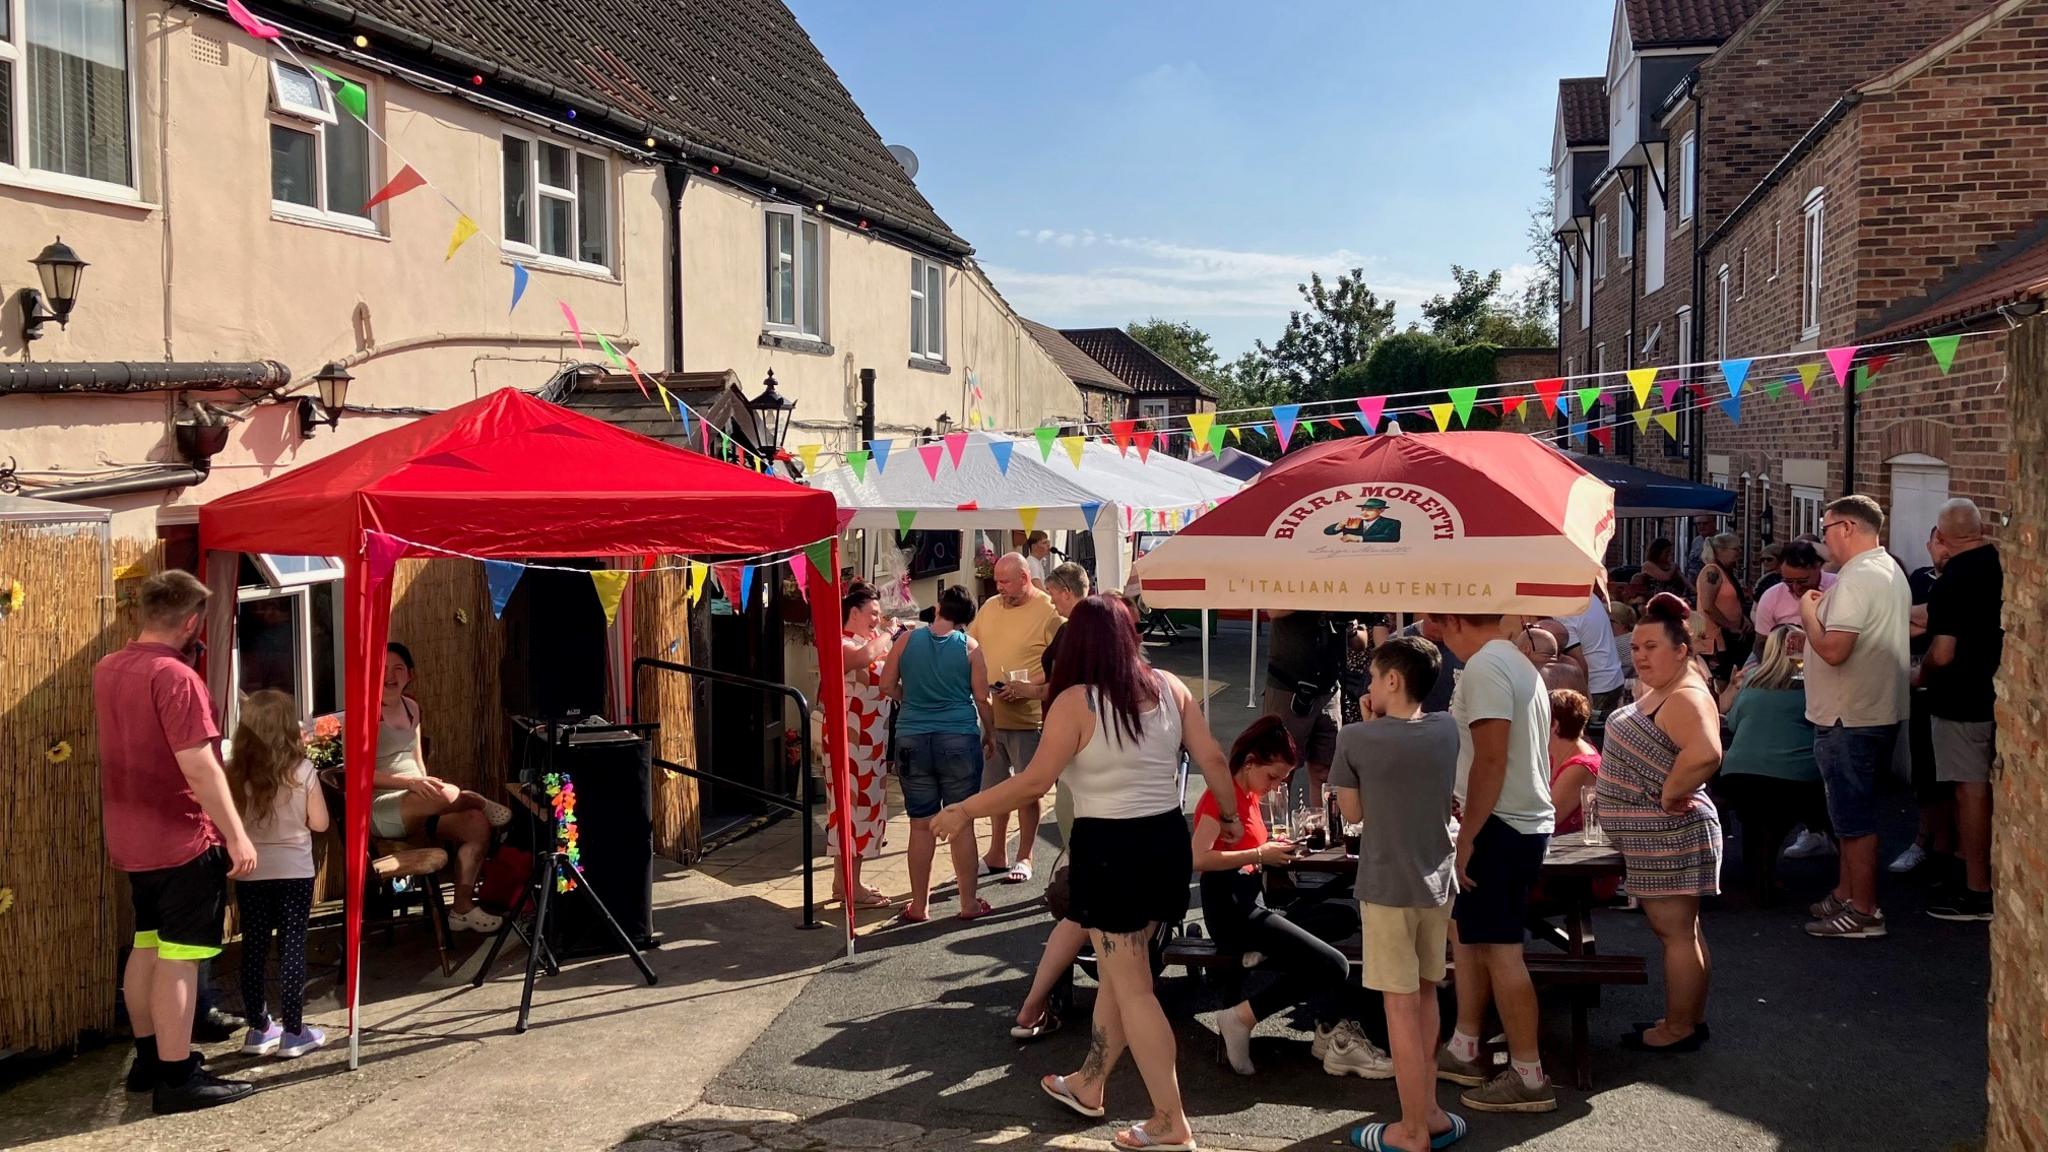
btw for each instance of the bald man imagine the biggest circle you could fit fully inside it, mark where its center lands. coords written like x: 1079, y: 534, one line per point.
x: 1013, y: 628
x: 1966, y: 643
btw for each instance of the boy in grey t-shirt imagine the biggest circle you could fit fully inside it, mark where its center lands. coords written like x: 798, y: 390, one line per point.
x: 1397, y: 773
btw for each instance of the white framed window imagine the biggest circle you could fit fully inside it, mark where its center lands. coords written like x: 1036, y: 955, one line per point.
x: 1600, y: 248
x: 1815, y: 250
x: 1625, y: 239
x: 67, y: 113
x: 288, y: 632
x: 1683, y: 350
x: 1649, y: 350
x: 795, y: 272
x: 1721, y: 320
x: 1806, y: 508
x: 1585, y: 290
x: 1600, y: 364
x: 1154, y: 410
x: 927, y: 310
x: 1742, y: 274
x: 320, y: 158
x: 1777, y: 248
x: 1688, y: 175
x: 1654, y: 239
x: 1568, y: 276
x: 557, y: 203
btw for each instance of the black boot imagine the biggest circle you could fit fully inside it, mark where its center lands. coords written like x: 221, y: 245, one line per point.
x: 187, y: 1087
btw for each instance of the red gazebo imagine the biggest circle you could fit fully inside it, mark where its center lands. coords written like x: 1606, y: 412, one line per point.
x: 506, y: 476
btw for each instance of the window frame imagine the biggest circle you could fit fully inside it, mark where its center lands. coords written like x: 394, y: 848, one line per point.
x: 1813, y: 256
x: 805, y: 328
x: 923, y: 311
x: 1625, y: 227
x: 1600, y: 248
x: 1683, y: 350
x: 1721, y: 322
x: 299, y: 589
x: 527, y: 248
x: 1777, y: 248
x: 1155, y: 409
x: 1805, y: 504
x: 315, y: 123
x: 1568, y: 277
x: 21, y: 172
x: 1688, y: 176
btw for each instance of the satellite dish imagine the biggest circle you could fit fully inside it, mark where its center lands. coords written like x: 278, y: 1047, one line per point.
x: 905, y: 157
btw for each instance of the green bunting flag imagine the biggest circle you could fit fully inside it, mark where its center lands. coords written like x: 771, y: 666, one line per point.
x: 1462, y: 400
x: 1217, y: 432
x: 1047, y: 436
x: 820, y: 556
x: 1944, y: 349
x: 1774, y: 387
x: 1588, y: 398
x: 1862, y: 379
x: 858, y: 461
x: 348, y: 94
x: 904, y: 520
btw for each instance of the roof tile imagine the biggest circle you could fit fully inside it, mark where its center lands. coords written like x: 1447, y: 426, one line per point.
x: 1669, y: 23
x: 1583, y: 103
x: 1133, y: 363
x: 1079, y: 367
x: 2008, y: 274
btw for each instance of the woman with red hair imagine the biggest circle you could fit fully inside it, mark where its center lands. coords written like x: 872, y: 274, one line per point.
x: 1114, y: 734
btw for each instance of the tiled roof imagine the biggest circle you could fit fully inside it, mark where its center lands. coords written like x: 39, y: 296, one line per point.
x: 1672, y: 23
x: 1083, y: 371
x: 2013, y: 272
x: 1583, y: 103
x: 734, y: 76
x: 1135, y: 364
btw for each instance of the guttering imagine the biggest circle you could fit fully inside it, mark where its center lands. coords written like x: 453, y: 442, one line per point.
x: 627, y: 125
x: 166, y: 478
x: 1783, y: 167
x: 129, y: 377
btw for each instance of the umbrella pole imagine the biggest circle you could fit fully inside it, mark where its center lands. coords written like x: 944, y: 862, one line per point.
x: 1205, y: 663
x: 1251, y: 676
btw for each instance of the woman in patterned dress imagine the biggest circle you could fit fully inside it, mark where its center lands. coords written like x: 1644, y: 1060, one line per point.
x: 1660, y: 752
x: 864, y: 645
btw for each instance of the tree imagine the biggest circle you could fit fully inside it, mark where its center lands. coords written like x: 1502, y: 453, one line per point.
x: 1338, y: 329
x: 1474, y: 313
x: 1539, y: 296
x: 1180, y: 344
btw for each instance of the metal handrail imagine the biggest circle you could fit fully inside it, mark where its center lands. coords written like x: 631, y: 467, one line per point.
x: 802, y: 806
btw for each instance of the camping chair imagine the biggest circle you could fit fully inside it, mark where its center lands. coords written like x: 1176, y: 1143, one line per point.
x: 401, y: 875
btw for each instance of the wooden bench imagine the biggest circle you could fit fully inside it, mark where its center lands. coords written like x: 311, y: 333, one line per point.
x: 1582, y: 976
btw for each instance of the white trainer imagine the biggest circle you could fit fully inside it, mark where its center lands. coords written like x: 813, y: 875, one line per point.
x: 1913, y: 857
x: 1357, y: 1056
x: 1808, y: 844
x: 1320, y: 1046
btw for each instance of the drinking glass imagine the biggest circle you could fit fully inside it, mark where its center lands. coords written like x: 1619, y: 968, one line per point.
x: 1589, y: 805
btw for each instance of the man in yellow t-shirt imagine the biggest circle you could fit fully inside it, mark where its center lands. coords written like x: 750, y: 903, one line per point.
x: 1013, y: 628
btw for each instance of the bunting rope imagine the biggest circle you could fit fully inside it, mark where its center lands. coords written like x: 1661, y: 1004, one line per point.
x: 761, y: 560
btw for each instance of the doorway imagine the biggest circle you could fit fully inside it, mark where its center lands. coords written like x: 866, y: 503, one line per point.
x: 1919, y: 489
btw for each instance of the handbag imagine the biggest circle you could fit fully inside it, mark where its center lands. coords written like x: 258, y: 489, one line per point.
x: 502, y: 882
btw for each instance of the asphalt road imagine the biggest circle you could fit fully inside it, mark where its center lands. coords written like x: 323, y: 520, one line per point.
x: 1817, y: 1044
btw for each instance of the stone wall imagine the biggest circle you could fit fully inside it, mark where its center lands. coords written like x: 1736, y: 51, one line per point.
x: 2019, y: 841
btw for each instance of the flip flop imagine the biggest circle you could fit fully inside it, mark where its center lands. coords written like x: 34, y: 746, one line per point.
x: 1056, y: 1087
x: 1451, y: 1135
x: 1374, y: 1136
x: 988, y: 869
x: 904, y: 917
x: 1046, y: 1026
x: 1142, y: 1141
x: 872, y: 898
x: 981, y: 908
x: 1019, y: 873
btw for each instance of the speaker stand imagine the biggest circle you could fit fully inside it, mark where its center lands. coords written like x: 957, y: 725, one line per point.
x: 537, y: 950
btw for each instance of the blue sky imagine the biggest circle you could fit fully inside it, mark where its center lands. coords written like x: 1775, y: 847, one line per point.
x: 1115, y: 159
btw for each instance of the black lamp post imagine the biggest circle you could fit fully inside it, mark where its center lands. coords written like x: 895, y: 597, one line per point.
x: 771, y: 411
x: 944, y: 424
x: 60, y: 270
x: 332, y: 382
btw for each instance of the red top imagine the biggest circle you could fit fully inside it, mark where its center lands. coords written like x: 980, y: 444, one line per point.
x: 1247, y: 811
x: 1591, y: 761
x: 151, y: 706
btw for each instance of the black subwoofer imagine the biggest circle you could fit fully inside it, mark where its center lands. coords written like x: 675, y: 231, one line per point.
x: 615, y: 838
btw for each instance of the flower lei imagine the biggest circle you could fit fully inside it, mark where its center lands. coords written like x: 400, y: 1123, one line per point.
x: 562, y: 796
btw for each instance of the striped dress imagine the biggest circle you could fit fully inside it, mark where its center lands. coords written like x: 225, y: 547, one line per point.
x: 1666, y: 855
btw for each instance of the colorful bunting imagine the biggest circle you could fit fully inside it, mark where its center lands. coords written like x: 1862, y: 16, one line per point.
x: 1462, y: 400
x: 1074, y: 445
x: 1862, y: 378
x: 931, y: 453
x: 728, y: 582
x: 1199, y: 424
x: 1839, y: 359
x: 1028, y: 517
x: 1090, y: 511
x: 633, y: 367
x: 1548, y: 391
x: 576, y: 329
x: 611, y: 588
x: 519, y: 278
x: 808, y: 453
x: 820, y: 556
x: 858, y: 461
x: 697, y: 573
x: 1733, y: 407
x: 1144, y: 439
x: 501, y: 576
x: 1215, y: 438
x: 1001, y: 450
x: 1775, y: 387
x: 1370, y: 409
x: 746, y: 585
x: 1665, y: 392
x: 1604, y: 433
x: 1736, y: 372
x: 1046, y: 437
x: 667, y: 401
x: 464, y: 229
x: 1642, y: 417
x: 1120, y: 434
x: 1575, y: 430
x: 247, y: 22
x: 1642, y: 380
x: 1513, y: 406
x: 956, y: 443
x: 1236, y: 435
x: 1876, y: 363
x: 800, y: 567
x: 1944, y: 349
x: 904, y: 519
x: 1668, y: 421
x: 408, y: 178
x: 1589, y: 399
x: 1808, y: 373
x: 1442, y: 412
x: 1284, y: 418
x: 881, y: 451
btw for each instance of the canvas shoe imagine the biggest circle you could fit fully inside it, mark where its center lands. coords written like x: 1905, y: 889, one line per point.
x: 1961, y: 904
x: 1809, y: 844
x: 262, y: 1041
x: 1507, y: 1093
x: 1354, y: 1055
x: 1848, y: 924
x: 1911, y: 858
x: 1469, y: 1073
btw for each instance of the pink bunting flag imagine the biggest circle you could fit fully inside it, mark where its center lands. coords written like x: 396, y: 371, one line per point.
x: 408, y: 178
x: 801, y: 569
x: 380, y: 556
x: 955, y: 443
x: 1840, y: 359
x: 1665, y: 391
x: 635, y: 370
x: 576, y: 329
x: 845, y: 517
x: 931, y: 454
x: 247, y: 22
x: 1370, y: 409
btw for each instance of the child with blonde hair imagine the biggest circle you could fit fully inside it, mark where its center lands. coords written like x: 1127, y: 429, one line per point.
x: 278, y: 793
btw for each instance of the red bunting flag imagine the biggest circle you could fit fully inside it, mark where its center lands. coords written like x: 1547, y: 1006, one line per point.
x: 1547, y: 390
x: 1120, y: 434
x: 1604, y: 433
x: 408, y: 178
x: 1509, y: 405
x: 1143, y: 439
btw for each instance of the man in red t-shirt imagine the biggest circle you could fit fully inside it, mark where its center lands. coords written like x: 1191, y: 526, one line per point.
x: 171, y: 825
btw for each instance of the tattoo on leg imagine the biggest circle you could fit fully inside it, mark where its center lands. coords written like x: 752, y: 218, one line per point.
x: 1092, y: 1068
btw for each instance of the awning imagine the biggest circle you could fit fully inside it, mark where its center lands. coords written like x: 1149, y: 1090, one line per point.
x: 1642, y: 494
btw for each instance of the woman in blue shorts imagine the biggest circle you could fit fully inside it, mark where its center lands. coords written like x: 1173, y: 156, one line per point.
x: 940, y: 683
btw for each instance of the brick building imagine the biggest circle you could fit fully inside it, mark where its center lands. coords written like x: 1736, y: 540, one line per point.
x: 1161, y: 394
x: 1796, y: 175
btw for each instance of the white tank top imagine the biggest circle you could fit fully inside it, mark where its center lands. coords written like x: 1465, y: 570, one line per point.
x: 1112, y: 780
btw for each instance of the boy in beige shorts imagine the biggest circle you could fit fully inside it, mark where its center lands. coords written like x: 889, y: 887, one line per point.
x: 1397, y: 773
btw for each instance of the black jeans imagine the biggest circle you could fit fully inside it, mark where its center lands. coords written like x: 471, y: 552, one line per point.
x: 1305, y: 969
x: 1767, y: 808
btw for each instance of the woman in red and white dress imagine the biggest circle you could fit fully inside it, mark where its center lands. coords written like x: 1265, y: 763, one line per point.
x: 864, y: 646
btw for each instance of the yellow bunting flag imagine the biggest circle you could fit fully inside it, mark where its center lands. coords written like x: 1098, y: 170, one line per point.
x: 1642, y: 380
x: 464, y: 229
x: 1028, y: 517
x: 697, y: 574
x: 1073, y: 445
x: 1668, y: 421
x: 808, y: 453
x: 1808, y: 373
x: 1198, y: 425
x: 611, y: 588
x: 1236, y: 434
x: 667, y: 400
x: 1642, y: 416
x: 1442, y: 412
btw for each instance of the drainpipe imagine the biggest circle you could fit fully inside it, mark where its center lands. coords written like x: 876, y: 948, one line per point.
x: 1635, y: 264
x: 1696, y: 462
x: 168, y: 478
x: 116, y: 377
x: 677, y: 178
x: 1849, y: 437
x: 1561, y: 258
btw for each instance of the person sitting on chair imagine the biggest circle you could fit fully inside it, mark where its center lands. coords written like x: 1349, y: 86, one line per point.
x: 409, y: 803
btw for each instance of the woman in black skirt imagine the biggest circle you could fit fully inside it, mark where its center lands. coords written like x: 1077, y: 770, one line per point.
x: 1114, y: 735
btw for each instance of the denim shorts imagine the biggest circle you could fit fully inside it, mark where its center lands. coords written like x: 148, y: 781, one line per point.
x: 1850, y: 760
x: 937, y: 769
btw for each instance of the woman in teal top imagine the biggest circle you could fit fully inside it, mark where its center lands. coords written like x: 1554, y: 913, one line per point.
x: 1768, y: 775
x: 940, y: 683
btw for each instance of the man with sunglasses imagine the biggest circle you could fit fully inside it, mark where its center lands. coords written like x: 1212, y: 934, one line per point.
x: 1857, y: 635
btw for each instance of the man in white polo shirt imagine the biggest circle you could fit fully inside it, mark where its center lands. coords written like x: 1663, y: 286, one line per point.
x: 1590, y: 640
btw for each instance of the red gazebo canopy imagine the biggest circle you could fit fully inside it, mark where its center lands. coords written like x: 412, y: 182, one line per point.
x: 506, y: 476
